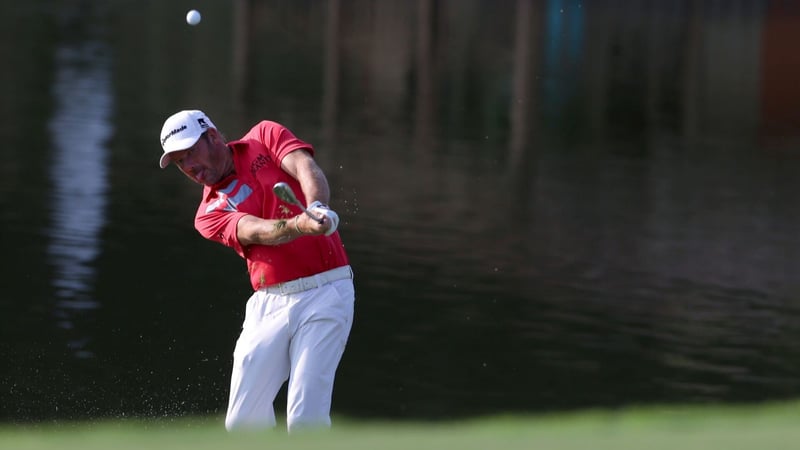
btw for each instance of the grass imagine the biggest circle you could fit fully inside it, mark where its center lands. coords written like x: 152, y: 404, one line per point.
x: 772, y: 426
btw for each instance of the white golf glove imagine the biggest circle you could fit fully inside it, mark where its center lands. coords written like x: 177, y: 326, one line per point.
x: 323, y: 209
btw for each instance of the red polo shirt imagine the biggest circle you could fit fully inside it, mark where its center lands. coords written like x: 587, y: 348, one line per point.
x: 257, y: 158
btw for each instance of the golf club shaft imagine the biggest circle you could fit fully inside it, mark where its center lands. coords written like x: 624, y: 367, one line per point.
x: 284, y: 192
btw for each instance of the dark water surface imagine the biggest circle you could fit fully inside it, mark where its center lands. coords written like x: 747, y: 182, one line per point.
x: 548, y: 205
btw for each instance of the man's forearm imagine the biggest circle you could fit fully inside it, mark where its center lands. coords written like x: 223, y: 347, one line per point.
x: 314, y: 184
x: 255, y: 230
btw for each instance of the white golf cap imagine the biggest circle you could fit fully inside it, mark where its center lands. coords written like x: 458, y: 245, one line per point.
x: 181, y: 130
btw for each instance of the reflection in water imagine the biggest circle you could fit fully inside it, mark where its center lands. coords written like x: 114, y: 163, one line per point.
x: 79, y: 129
x: 644, y: 252
x: 563, y: 51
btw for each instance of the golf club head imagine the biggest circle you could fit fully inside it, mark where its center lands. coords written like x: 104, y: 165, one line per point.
x: 284, y: 192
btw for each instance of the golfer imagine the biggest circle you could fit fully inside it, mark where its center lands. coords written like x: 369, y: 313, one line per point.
x: 299, y: 316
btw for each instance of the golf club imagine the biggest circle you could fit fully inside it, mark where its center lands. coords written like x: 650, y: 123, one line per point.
x: 284, y: 192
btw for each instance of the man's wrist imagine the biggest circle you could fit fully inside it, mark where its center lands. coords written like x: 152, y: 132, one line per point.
x: 318, y: 204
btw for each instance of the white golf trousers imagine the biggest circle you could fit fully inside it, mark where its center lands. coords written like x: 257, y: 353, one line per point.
x: 300, y: 337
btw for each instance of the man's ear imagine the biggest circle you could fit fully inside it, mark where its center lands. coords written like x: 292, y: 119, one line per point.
x: 214, y: 136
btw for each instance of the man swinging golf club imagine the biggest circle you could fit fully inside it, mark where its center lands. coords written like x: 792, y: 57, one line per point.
x: 298, y: 318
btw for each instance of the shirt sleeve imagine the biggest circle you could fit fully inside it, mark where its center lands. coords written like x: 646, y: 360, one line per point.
x: 219, y: 225
x: 278, y: 139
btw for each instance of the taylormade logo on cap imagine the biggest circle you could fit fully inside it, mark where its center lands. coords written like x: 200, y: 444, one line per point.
x: 181, y: 130
x: 172, y: 133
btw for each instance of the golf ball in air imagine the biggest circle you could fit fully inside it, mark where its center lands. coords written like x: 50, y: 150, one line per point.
x: 193, y: 17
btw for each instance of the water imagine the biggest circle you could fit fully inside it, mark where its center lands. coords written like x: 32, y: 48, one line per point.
x: 592, y: 209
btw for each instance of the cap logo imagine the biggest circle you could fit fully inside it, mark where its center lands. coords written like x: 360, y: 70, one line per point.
x: 173, y: 133
x: 202, y: 123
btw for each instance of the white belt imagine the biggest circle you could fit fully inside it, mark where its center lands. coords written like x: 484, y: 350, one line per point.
x: 306, y: 283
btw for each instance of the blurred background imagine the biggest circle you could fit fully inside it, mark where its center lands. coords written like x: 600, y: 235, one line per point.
x: 549, y: 205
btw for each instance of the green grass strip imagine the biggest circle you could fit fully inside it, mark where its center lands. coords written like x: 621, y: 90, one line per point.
x: 771, y: 426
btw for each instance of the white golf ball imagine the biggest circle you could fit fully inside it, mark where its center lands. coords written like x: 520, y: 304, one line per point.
x: 193, y: 17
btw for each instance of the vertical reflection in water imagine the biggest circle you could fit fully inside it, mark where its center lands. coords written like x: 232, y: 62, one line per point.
x: 79, y: 129
x: 331, y: 74
x: 563, y: 51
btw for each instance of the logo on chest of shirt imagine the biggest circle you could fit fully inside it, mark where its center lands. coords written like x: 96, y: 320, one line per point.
x: 230, y: 197
x: 260, y: 162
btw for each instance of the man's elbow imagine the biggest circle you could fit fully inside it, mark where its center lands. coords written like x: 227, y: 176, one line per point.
x: 247, y: 230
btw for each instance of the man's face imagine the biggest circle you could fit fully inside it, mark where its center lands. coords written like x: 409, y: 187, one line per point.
x: 203, y: 162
